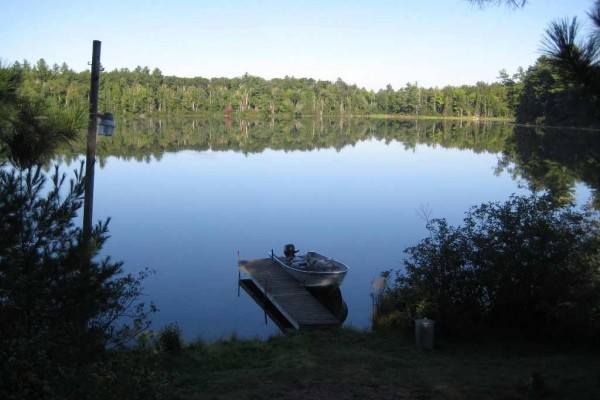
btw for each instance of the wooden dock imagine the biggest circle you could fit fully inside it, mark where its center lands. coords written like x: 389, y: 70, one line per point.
x: 270, y: 285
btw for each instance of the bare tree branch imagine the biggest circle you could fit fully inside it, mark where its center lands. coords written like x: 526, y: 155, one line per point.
x: 508, y: 3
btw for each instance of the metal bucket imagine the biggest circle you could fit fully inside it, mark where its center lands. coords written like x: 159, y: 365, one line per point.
x: 424, y: 333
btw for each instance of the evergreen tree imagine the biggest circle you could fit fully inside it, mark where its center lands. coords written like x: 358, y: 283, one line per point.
x: 60, y: 307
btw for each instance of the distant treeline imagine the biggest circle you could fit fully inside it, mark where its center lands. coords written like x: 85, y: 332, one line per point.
x: 532, y: 96
x: 143, y: 91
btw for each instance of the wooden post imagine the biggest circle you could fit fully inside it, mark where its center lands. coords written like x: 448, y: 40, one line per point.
x: 90, y: 159
x: 265, y: 300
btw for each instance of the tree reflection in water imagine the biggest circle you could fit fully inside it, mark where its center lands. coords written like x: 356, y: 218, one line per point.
x: 547, y: 158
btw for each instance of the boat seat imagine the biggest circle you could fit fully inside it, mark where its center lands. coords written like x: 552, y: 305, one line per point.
x: 322, y: 264
x: 300, y: 264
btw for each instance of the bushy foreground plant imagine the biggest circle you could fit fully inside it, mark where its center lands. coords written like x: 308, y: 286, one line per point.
x: 170, y: 339
x: 65, y: 315
x: 60, y: 307
x: 526, y: 267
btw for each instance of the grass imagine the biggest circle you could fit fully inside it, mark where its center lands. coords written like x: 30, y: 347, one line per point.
x: 435, y: 117
x: 351, y: 364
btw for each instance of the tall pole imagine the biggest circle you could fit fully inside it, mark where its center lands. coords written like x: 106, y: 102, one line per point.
x: 90, y: 159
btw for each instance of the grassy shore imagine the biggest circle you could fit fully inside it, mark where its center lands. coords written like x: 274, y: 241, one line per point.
x: 350, y: 364
x: 436, y: 118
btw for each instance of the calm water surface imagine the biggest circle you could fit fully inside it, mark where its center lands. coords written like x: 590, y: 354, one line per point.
x: 187, y: 213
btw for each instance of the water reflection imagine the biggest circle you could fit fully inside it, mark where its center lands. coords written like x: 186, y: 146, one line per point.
x: 332, y: 300
x: 548, y: 159
x: 554, y: 160
x: 148, y: 139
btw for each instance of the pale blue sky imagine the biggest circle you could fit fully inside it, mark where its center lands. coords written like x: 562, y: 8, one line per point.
x: 370, y: 43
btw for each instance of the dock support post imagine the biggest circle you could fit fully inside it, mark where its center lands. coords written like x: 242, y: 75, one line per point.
x: 239, y: 272
x: 265, y: 300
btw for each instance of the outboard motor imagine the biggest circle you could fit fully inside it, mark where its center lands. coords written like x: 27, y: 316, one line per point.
x: 289, y: 251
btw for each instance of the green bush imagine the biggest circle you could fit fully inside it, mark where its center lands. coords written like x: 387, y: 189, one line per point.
x: 527, y: 267
x: 170, y: 339
x: 60, y: 307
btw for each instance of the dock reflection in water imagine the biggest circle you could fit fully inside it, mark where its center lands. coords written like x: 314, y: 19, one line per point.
x: 333, y: 300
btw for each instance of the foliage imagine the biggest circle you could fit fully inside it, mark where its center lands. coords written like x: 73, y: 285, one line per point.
x: 526, y: 267
x: 30, y: 129
x: 563, y: 87
x: 538, y: 100
x: 549, y: 99
x: 59, y: 309
x: 141, y: 91
x: 575, y: 59
x: 170, y: 339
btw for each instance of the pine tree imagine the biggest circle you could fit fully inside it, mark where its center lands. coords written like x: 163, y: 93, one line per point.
x: 60, y: 307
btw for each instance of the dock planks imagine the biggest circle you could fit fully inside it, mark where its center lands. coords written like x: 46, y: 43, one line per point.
x: 299, y: 307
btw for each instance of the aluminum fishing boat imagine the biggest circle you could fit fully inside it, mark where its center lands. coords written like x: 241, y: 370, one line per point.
x: 312, y: 269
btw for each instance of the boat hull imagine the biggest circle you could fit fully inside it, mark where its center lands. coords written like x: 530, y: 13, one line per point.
x: 314, y: 270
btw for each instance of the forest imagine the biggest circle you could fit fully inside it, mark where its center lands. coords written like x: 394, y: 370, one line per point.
x: 539, y: 95
x: 147, y: 92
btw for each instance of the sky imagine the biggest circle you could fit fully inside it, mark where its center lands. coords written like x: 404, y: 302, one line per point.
x: 433, y: 43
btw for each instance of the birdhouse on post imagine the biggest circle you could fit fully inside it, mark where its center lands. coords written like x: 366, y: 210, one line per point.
x: 107, y: 125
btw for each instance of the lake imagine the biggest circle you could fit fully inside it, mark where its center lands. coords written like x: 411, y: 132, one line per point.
x: 186, y: 196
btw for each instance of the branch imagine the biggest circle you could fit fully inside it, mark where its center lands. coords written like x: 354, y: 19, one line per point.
x: 512, y: 4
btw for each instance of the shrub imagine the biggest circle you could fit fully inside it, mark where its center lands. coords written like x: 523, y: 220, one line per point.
x: 169, y: 339
x: 525, y: 267
x: 60, y: 308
